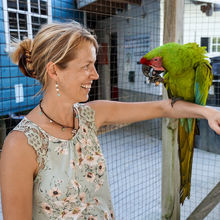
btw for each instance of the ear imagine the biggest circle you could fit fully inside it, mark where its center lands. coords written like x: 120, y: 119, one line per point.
x: 51, y: 70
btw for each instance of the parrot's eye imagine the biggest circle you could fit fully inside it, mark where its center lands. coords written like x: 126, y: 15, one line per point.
x: 155, y: 59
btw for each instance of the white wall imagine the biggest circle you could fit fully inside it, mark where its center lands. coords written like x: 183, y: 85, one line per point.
x: 140, y: 29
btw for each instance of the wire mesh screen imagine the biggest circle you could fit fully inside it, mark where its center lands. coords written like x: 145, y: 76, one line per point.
x: 202, y: 25
x: 133, y: 152
x: 125, y: 30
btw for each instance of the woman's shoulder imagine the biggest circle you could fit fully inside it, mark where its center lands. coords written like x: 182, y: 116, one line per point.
x: 15, y: 138
x: 98, y: 106
x: 86, y: 111
x: 103, y: 110
x: 26, y: 135
x: 17, y: 158
x: 25, y: 144
x: 16, y: 148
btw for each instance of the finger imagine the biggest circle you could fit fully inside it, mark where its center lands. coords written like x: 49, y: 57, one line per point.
x: 216, y: 127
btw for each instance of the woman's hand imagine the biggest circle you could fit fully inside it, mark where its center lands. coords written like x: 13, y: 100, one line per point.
x: 213, y: 117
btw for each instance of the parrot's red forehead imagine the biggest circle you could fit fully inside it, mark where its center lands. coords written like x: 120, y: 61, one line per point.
x: 145, y: 61
x: 156, y: 63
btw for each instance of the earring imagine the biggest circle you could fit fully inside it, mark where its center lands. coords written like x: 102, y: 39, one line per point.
x: 57, y: 89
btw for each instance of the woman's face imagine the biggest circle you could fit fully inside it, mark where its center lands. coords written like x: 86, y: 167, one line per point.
x: 76, y: 79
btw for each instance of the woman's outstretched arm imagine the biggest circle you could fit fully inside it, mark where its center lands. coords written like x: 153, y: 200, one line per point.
x: 110, y: 112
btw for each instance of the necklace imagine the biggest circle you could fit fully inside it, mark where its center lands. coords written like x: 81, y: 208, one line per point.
x: 75, y: 122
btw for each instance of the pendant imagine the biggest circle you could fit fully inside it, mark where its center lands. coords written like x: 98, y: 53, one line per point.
x: 63, y: 129
x: 74, y: 131
x: 51, y: 121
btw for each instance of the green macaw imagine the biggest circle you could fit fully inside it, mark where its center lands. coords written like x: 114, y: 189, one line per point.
x: 187, y: 75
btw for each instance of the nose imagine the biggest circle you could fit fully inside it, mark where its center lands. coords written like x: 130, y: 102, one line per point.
x: 94, y: 74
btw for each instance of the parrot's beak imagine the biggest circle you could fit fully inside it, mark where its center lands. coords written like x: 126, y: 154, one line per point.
x: 153, y: 74
x: 152, y: 69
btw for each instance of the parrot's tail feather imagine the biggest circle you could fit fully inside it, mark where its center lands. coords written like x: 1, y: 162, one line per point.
x: 186, y: 139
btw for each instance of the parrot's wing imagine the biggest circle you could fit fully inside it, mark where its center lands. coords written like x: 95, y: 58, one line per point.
x: 203, y: 81
x: 187, y: 128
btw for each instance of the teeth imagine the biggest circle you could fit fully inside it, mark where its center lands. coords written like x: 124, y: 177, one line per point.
x: 86, y: 87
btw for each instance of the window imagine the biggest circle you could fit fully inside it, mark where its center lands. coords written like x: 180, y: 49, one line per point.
x: 212, y: 44
x: 23, y: 18
x: 216, y: 44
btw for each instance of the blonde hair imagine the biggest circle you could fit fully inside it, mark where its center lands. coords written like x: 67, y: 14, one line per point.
x: 56, y: 42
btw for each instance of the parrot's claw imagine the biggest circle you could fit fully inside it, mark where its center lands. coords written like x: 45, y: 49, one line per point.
x: 174, y: 99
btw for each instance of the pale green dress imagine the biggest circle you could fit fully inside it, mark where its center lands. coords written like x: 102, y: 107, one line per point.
x: 72, y: 178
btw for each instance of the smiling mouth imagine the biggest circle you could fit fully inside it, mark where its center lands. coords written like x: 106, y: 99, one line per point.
x: 152, y: 74
x: 86, y: 86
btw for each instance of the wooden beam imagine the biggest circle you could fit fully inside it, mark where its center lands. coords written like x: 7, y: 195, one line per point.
x: 207, y: 204
x: 173, y: 32
x: 173, y: 21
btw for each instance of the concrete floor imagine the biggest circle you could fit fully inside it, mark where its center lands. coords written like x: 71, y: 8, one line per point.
x: 133, y: 156
x: 134, y: 164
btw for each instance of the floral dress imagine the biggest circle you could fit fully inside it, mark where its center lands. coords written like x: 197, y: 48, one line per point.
x: 72, y: 178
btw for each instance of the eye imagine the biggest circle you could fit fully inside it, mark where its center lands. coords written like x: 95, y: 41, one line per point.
x: 86, y: 67
x: 156, y: 59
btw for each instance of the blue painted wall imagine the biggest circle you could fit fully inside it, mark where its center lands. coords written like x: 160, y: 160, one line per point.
x: 11, y: 75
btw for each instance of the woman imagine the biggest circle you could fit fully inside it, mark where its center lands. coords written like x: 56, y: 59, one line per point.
x: 51, y: 165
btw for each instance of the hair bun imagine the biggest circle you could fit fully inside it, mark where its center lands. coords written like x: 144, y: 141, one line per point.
x: 22, y: 57
x: 25, y: 65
